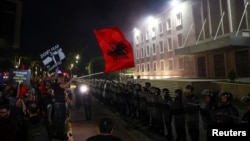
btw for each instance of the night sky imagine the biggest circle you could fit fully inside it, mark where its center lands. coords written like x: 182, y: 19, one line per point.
x: 70, y: 23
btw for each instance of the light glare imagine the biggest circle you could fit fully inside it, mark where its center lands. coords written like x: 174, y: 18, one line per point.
x: 84, y: 88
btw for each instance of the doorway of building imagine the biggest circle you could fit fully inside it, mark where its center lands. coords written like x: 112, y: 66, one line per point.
x: 242, y: 63
x: 202, y: 67
x: 219, y: 65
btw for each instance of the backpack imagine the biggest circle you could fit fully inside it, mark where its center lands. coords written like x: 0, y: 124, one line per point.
x: 37, y: 132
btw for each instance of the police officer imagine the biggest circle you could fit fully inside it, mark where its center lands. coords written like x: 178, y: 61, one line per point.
x: 149, y: 100
x: 192, y: 106
x: 87, y: 97
x: 143, y: 106
x: 156, y: 114
x: 166, y: 103
x: 78, y: 97
x: 246, y: 117
x: 135, y: 100
x: 227, y: 113
x: 207, y: 113
x: 147, y: 86
x: 245, y: 120
x: 177, y: 109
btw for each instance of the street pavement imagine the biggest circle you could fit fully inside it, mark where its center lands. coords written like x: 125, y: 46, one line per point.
x: 81, y: 129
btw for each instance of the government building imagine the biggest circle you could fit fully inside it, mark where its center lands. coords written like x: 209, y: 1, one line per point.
x: 194, y: 39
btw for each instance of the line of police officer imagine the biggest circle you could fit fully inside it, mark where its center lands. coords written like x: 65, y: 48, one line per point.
x: 154, y: 107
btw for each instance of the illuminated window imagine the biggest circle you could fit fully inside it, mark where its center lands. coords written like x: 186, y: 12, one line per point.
x: 180, y: 40
x: 153, y: 49
x: 142, y: 67
x: 148, y: 67
x: 170, y: 64
x: 161, y: 44
x: 147, y: 51
x: 137, y: 54
x: 147, y: 35
x: 160, y: 28
x: 153, y: 32
x: 142, y: 53
x: 162, y: 65
x: 141, y: 37
x: 154, y: 66
x: 170, y: 44
x: 178, y: 19
x: 168, y: 23
x: 137, y: 40
x: 138, y: 68
x: 181, y: 63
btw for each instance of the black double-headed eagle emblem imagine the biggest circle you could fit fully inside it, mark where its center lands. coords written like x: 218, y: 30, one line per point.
x: 118, y: 50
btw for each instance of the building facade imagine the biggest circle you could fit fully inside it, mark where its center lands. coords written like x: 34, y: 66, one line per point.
x: 194, y: 39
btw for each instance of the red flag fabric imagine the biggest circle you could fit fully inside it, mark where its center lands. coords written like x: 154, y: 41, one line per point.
x: 22, y: 90
x: 117, y: 51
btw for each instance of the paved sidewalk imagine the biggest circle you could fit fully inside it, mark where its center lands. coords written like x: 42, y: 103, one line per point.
x: 82, y: 129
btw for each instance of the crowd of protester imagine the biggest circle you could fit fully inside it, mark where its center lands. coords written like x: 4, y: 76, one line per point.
x: 160, y: 109
x: 44, y: 101
x: 35, y: 111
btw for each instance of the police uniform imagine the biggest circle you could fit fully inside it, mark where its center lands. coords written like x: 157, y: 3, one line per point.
x: 207, y: 113
x: 143, y: 107
x: 177, y: 109
x: 226, y: 113
x: 87, y: 97
x: 246, y: 116
x: 166, y: 103
x: 156, y: 114
x: 192, y: 106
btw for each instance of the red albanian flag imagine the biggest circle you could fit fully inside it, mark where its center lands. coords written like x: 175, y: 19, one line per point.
x: 117, y: 51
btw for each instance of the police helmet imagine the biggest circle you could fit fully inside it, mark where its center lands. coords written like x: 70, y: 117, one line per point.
x: 165, y: 90
x: 138, y: 86
x: 227, y: 94
x: 158, y: 91
x: 178, y: 92
x: 148, y: 84
x: 245, y: 100
x: 190, y: 87
x: 207, y: 92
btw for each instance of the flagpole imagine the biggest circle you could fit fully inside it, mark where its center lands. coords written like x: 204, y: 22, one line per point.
x: 90, y: 75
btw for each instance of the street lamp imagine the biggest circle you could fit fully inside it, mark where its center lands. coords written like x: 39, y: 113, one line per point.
x: 77, y: 57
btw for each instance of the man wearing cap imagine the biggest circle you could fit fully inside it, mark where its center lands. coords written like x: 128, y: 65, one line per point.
x: 192, y: 106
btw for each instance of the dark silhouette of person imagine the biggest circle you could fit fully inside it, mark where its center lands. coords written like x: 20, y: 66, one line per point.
x: 8, y: 124
x: 105, y: 129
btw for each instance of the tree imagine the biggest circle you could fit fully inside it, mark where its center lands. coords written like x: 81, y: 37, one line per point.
x: 97, y: 65
x: 71, y: 52
x: 232, y: 75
